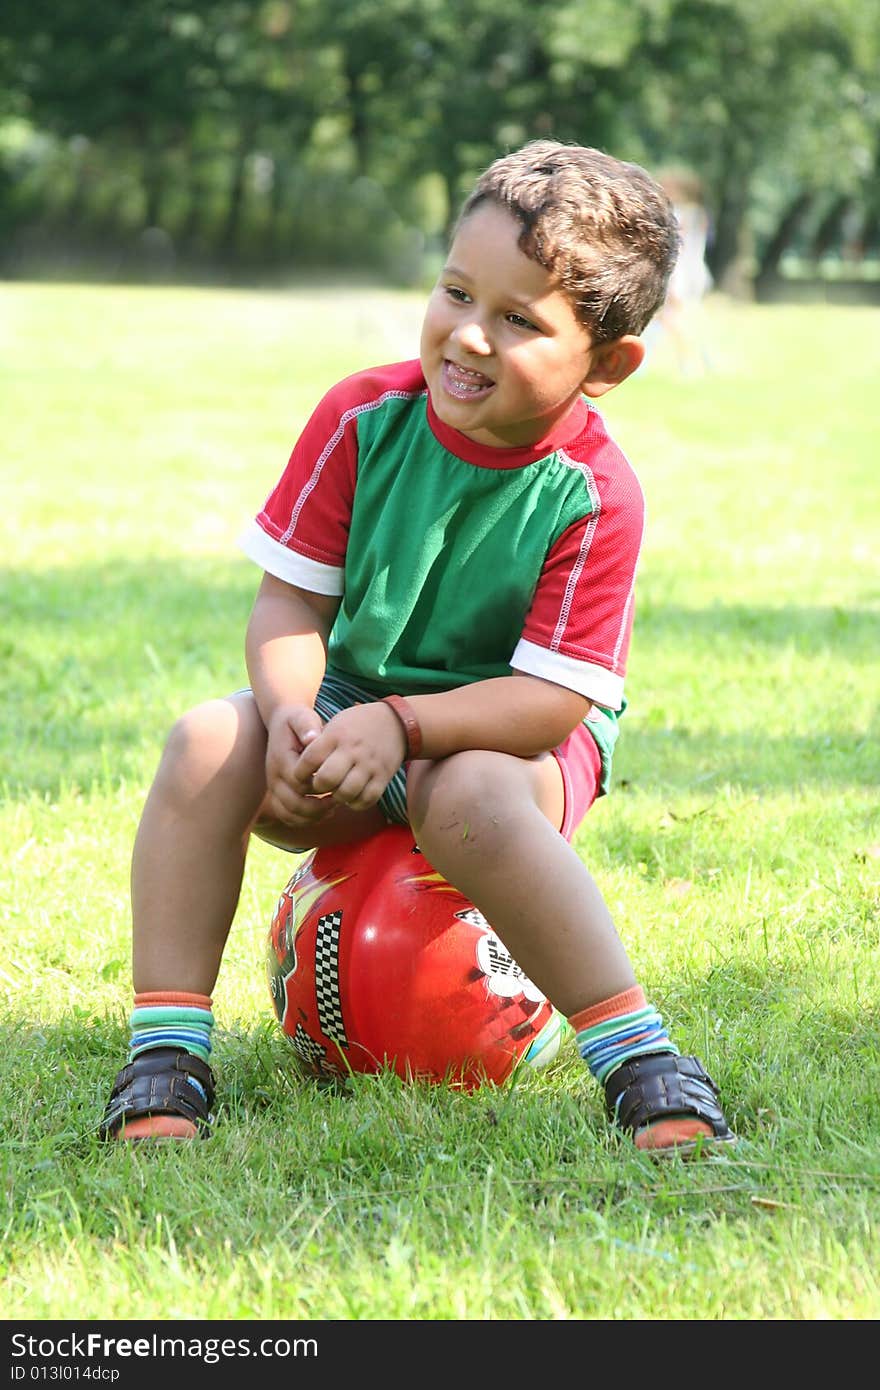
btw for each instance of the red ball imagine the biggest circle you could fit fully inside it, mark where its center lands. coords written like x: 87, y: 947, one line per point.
x: 376, y: 960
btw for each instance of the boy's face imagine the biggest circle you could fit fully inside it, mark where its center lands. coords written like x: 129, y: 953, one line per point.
x: 502, y: 352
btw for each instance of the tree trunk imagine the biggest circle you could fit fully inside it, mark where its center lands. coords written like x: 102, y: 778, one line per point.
x: 195, y: 194
x: 451, y: 175
x: 153, y: 182
x: 273, y: 237
x: 359, y: 123
x: 235, y: 202
x: 827, y: 232
x: 781, y: 238
x: 725, y: 254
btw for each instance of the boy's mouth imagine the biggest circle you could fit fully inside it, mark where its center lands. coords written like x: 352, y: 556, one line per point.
x: 464, y: 384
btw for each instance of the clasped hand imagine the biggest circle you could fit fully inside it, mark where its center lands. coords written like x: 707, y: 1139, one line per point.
x: 312, y: 767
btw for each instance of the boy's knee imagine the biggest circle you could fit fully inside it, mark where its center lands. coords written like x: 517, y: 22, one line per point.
x: 215, y: 735
x: 204, y: 725
x: 459, y: 791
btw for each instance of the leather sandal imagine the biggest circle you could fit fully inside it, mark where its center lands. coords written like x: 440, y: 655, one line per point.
x: 663, y: 1086
x: 163, y: 1081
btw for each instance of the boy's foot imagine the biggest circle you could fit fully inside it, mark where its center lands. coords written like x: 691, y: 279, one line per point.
x: 165, y: 1093
x: 158, y: 1127
x: 669, y: 1105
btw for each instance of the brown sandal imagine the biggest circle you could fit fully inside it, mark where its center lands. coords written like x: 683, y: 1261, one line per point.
x: 663, y: 1086
x: 164, y: 1081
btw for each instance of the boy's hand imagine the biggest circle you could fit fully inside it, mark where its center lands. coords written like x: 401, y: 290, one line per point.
x: 354, y: 757
x: 291, y: 729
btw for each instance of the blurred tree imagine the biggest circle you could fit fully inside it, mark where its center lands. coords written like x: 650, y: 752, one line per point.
x: 278, y: 127
x: 760, y: 97
x: 126, y: 76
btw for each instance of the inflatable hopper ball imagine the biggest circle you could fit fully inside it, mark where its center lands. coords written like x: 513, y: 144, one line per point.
x: 376, y: 960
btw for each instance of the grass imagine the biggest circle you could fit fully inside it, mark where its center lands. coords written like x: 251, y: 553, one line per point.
x: 739, y: 850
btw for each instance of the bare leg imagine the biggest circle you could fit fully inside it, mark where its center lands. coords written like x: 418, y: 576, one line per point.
x: 190, y: 848
x: 487, y: 822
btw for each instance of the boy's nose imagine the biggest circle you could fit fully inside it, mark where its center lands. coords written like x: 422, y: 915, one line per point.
x: 472, y: 337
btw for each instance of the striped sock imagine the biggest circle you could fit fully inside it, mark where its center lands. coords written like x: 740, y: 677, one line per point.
x: 618, y: 1029
x: 170, y: 1018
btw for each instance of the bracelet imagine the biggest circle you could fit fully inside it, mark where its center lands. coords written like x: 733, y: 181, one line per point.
x: 408, y: 718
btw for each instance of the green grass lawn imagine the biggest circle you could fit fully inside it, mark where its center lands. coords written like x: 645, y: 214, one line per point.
x: 739, y: 850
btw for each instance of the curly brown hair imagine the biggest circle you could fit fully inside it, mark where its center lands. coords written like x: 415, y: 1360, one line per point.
x: 605, y: 230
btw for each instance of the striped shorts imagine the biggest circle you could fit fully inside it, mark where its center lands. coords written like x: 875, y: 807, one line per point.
x: 338, y: 693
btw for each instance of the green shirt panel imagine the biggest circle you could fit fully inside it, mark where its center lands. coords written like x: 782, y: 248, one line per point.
x: 443, y: 556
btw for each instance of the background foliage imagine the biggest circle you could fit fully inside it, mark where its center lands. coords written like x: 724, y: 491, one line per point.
x: 155, y: 134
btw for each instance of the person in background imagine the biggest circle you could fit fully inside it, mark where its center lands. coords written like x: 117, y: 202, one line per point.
x: 681, y: 318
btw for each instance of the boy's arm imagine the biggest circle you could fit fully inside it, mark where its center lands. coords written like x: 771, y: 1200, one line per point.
x: 360, y: 748
x: 286, y: 653
x: 519, y: 714
x: 286, y: 644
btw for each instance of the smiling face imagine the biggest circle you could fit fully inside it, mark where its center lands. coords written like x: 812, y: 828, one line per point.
x: 503, y: 354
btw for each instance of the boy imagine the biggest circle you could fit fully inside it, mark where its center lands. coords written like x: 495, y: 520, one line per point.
x: 440, y: 637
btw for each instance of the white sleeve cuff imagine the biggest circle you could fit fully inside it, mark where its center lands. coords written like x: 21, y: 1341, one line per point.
x: 597, y: 683
x: 288, y: 565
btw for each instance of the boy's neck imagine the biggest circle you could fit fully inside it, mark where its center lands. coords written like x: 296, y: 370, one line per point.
x: 563, y: 432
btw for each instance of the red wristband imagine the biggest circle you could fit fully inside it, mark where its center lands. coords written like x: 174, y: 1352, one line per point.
x: 407, y: 716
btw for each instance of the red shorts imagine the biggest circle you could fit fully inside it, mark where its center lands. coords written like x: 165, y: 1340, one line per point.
x: 581, y: 768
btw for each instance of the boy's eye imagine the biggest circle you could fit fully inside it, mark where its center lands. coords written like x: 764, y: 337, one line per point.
x: 519, y: 322
x: 459, y: 295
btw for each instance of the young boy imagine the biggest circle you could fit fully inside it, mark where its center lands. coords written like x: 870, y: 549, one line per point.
x: 440, y: 637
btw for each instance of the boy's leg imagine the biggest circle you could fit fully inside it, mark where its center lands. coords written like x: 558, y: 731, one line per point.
x: 187, y: 868
x: 488, y: 822
x: 190, y: 847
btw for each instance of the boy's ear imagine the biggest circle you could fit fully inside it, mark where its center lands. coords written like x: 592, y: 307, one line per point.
x: 612, y: 363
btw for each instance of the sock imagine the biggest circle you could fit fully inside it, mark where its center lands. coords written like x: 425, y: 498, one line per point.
x: 619, y: 1029
x: 169, y: 1018
x: 611, y: 1033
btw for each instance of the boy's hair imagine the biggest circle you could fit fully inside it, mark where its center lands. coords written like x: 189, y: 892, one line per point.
x: 605, y: 230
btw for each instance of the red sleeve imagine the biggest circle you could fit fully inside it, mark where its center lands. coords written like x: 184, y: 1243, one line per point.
x: 301, y: 533
x: 309, y: 508
x: 579, y: 625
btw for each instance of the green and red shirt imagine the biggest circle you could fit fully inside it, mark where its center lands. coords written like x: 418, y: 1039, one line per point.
x: 454, y: 561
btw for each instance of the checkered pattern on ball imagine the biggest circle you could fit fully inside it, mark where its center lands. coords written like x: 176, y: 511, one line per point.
x: 501, y: 961
x: 306, y: 1048
x: 472, y: 916
x: 327, y: 978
